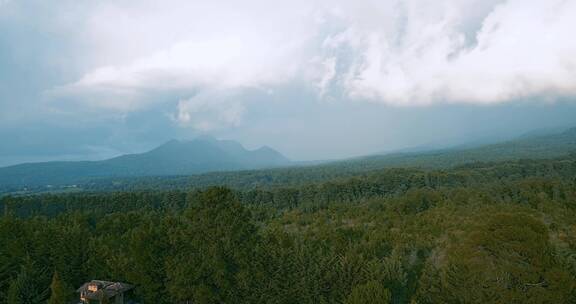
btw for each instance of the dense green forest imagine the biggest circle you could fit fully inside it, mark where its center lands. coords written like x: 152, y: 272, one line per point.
x: 500, y: 232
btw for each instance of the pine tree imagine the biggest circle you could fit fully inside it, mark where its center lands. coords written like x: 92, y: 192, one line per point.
x: 27, y: 286
x: 59, y: 293
x: 370, y: 293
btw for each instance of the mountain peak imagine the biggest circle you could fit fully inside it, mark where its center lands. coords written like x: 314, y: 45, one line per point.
x: 169, y: 145
x: 171, y: 142
x: 207, y: 138
x: 266, y: 148
x: 175, y: 157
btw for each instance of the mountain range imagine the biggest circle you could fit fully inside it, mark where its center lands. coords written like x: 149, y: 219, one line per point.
x: 175, y: 157
x: 534, y: 145
x: 206, y: 159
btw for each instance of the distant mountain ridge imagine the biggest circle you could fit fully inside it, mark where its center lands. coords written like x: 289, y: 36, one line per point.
x: 560, y: 146
x: 530, y: 146
x: 175, y: 157
x: 207, y: 159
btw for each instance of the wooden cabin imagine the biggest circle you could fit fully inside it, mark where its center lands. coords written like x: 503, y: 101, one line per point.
x: 98, y: 292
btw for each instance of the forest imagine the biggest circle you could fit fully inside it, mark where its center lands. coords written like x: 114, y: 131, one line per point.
x: 486, y: 232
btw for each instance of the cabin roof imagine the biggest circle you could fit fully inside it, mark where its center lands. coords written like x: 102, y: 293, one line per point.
x: 105, y: 288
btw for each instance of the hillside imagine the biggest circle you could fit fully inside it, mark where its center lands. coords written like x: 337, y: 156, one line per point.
x: 524, y: 147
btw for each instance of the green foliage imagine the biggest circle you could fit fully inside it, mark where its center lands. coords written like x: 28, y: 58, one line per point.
x: 59, y: 292
x: 509, y: 256
x: 215, y: 241
x: 28, y: 287
x: 369, y: 293
x: 480, y: 233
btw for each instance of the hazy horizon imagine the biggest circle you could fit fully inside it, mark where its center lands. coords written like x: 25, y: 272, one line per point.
x: 314, y: 80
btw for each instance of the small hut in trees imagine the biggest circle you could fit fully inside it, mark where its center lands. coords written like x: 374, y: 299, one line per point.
x: 100, y: 292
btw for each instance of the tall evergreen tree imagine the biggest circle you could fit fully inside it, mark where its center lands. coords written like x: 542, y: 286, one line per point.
x: 27, y: 287
x: 59, y: 293
x: 370, y: 293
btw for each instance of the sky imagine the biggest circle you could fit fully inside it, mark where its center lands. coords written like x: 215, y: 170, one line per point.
x: 314, y: 79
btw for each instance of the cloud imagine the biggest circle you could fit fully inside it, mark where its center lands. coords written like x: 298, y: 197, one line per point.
x: 407, y: 53
x: 187, y: 48
x: 208, y: 112
x: 225, y: 63
x: 521, y: 49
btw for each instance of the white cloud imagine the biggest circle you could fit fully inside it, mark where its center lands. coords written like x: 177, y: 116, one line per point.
x: 412, y: 52
x: 208, y: 112
x: 142, y: 49
x: 228, y: 63
x: 521, y: 49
